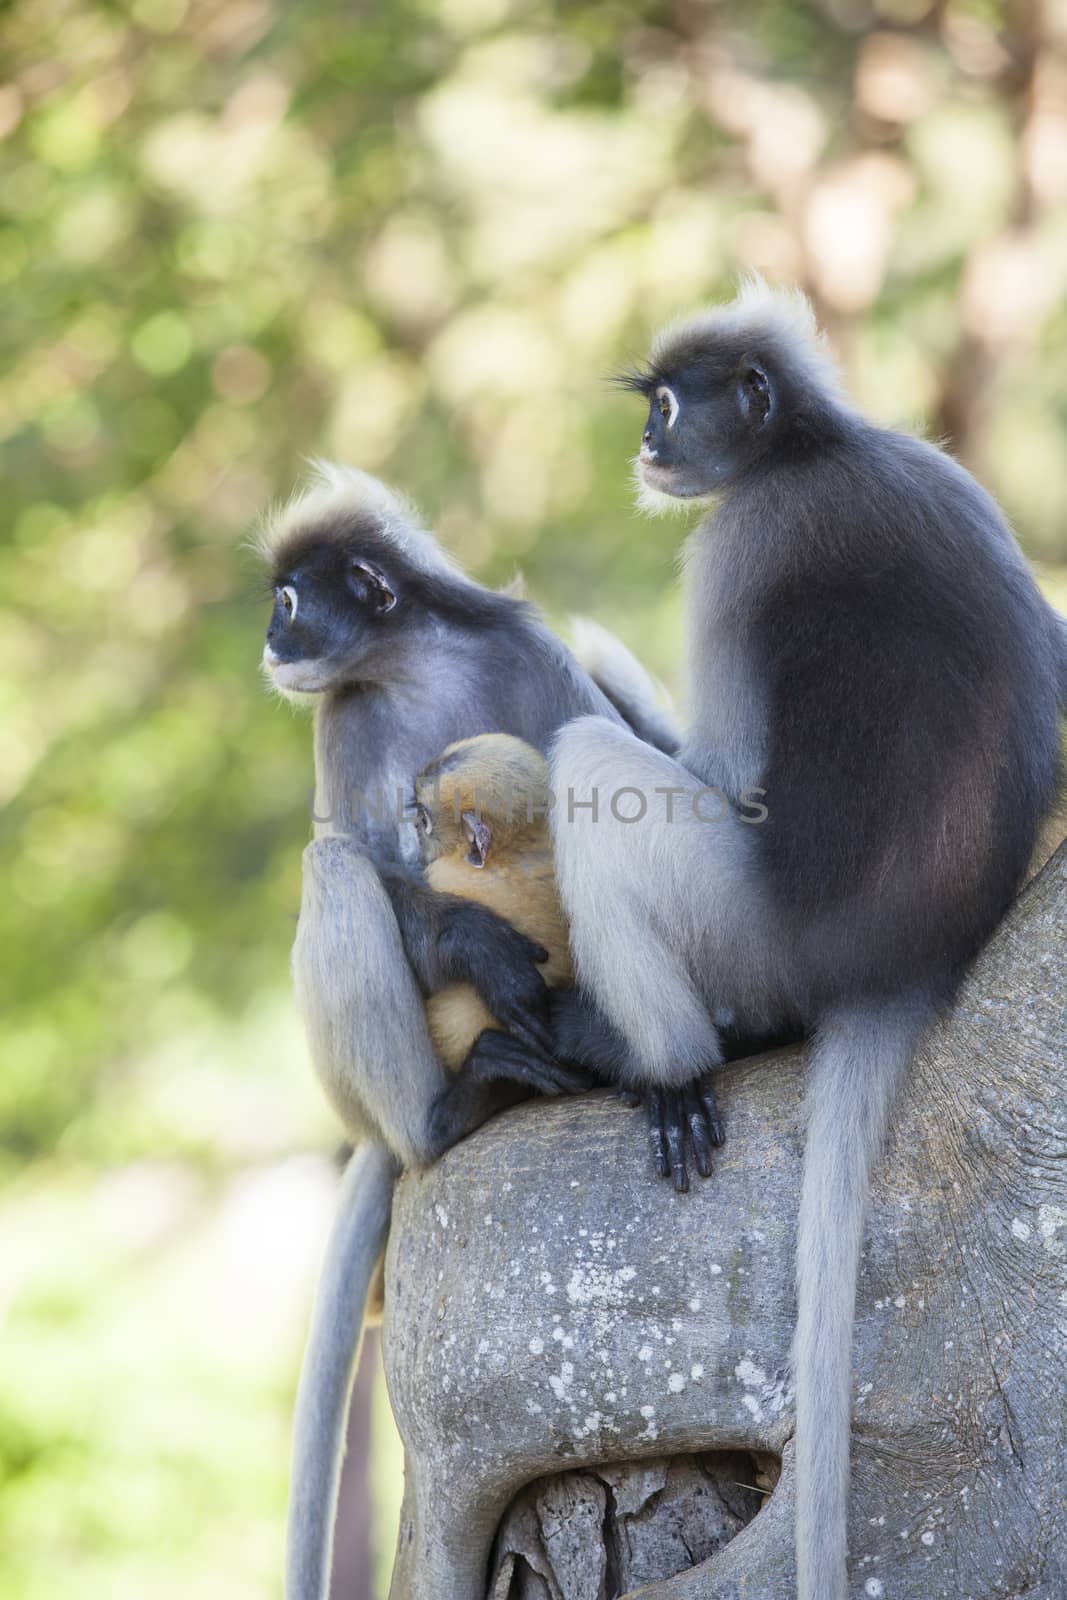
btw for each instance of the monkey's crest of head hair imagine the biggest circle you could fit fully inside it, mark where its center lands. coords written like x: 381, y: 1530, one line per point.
x: 498, y: 761
x: 778, y: 322
x: 335, y: 496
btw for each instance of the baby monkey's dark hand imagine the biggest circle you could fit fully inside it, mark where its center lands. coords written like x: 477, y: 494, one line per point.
x: 495, y: 1056
x: 501, y: 964
x: 675, y: 1113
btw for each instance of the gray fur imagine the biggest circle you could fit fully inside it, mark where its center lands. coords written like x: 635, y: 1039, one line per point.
x: 858, y: 1060
x: 451, y: 660
x: 727, y: 742
x: 337, y: 491
x: 1059, y: 625
x: 352, y: 1252
x: 869, y: 648
x: 756, y: 307
x: 347, y: 928
x: 633, y: 692
x: 658, y: 977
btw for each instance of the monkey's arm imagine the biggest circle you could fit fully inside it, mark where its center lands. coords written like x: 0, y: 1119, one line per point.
x: 365, y: 1019
x: 628, y: 893
x: 586, y: 1050
x: 498, y: 1057
x: 449, y: 940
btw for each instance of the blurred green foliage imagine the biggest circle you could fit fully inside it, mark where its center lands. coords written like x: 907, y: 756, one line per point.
x: 416, y: 235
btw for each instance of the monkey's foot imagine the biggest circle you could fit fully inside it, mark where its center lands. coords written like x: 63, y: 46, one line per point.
x: 672, y: 1113
x: 497, y: 1055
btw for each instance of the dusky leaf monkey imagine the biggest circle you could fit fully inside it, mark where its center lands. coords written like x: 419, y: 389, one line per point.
x: 867, y: 646
x: 482, y: 820
x: 402, y: 655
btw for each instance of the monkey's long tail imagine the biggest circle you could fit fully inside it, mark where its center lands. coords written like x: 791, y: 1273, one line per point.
x: 858, y: 1061
x: 356, y: 1241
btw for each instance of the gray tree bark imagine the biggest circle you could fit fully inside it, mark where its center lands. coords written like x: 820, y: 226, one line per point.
x: 590, y: 1373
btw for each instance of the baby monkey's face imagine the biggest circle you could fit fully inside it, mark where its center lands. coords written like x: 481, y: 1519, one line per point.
x: 479, y: 793
x: 450, y: 822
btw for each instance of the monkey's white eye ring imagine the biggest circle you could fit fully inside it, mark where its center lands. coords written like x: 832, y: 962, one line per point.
x: 289, y: 601
x: 668, y: 404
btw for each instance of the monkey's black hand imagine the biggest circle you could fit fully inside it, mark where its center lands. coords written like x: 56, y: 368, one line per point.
x: 674, y: 1113
x: 496, y: 1055
x: 481, y: 949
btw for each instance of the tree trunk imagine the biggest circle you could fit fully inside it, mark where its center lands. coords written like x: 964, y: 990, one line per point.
x: 590, y: 1372
x: 352, y: 1574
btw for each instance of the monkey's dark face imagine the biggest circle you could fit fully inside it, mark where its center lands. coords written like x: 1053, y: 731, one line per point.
x: 706, y: 417
x: 331, y: 617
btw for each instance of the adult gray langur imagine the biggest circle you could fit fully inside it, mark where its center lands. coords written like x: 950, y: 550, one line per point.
x: 403, y: 655
x: 867, y: 647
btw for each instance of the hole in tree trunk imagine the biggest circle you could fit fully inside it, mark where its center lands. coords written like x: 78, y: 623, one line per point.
x: 604, y: 1531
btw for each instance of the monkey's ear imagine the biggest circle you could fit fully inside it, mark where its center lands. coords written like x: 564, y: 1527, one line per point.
x: 479, y: 836
x: 754, y: 394
x: 379, y: 594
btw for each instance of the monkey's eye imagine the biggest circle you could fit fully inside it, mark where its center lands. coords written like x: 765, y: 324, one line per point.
x: 423, y: 819
x: 668, y: 405
x: 289, y: 600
